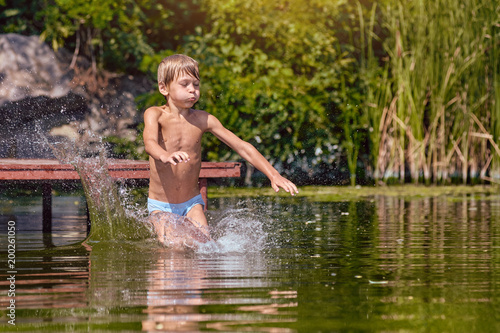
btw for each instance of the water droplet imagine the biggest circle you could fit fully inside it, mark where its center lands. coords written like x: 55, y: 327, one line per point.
x: 378, y: 282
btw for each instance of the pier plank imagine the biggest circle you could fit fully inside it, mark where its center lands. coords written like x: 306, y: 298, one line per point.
x: 45, y: 171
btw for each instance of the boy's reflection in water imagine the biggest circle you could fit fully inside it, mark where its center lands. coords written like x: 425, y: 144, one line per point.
x: 181, y: 283
x: 174, y: 293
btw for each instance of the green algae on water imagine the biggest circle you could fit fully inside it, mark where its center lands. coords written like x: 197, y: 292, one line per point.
x: 347, y: 193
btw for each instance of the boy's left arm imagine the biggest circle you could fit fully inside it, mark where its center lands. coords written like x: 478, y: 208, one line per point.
x: 252, y: 155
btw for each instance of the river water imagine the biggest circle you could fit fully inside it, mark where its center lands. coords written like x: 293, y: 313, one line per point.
x: 381, y: 264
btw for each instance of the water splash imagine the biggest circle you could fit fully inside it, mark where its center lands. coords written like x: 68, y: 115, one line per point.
x: 109, y: 216
x: 232, y: 231
x: 237, y: 231
x: 178, y: 232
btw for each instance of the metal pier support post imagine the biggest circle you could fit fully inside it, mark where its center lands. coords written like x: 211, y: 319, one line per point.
x: 47, y: 207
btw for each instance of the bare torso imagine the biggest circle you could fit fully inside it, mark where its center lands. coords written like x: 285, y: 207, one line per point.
x: 178, y: 183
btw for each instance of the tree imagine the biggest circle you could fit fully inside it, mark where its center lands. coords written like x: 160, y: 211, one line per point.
x: 108, y: 32
x: 269, y: 70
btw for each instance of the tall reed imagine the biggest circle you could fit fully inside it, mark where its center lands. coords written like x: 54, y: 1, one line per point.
x: 376, y: 84
x: 442, y: 70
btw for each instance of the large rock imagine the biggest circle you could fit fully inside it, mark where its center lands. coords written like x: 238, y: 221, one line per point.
x: 28, y: 69
x: 41, y: 94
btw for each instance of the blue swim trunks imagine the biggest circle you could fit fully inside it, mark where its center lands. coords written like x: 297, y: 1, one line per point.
x: 180, y: 209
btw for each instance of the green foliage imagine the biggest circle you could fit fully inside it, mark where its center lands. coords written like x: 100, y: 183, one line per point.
x: 268, y: 73
x: 389, y: 85
x: 105, y: 29
x: 124, y: 148
x: 18, y: 16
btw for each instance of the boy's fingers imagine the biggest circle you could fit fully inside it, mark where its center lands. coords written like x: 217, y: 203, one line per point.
x: 275, y: 187
x: 178, y: 157
x: 183, y: 156
x: 291, y: 188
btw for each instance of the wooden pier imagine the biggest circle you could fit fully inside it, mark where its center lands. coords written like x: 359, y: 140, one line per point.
x: 46, y: 171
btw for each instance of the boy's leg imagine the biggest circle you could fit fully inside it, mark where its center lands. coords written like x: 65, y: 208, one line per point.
x: 196, y: 213
x: 158, y: 223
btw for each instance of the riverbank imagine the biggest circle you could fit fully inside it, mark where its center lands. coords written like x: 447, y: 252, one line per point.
x: 345, y: 193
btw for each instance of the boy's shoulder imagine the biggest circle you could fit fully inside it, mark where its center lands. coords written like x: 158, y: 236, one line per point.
x: 153, y: 111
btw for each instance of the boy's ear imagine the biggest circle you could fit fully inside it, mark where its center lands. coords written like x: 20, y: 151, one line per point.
x: 163, y: 89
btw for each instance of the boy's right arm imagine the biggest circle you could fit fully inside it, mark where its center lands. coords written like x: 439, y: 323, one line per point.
x: 150, y: 135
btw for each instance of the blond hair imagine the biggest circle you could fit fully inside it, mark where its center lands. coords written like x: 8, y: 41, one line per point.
x: 174, y: 65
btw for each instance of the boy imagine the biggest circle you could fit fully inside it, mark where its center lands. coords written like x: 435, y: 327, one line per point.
x: 172, y: 138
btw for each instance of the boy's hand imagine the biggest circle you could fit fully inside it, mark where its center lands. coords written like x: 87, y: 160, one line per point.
x: 174, y: 158
x: 280, y: 181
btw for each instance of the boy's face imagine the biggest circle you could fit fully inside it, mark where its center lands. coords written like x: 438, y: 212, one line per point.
x: 183, y: 91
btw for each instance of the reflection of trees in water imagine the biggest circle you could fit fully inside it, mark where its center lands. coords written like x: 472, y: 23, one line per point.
x: 432, y: 243
x: 433, y: 250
